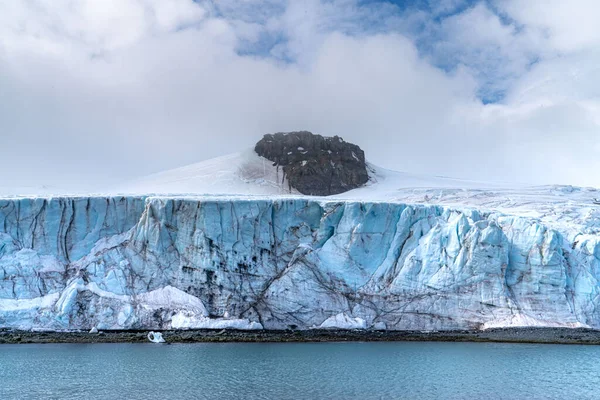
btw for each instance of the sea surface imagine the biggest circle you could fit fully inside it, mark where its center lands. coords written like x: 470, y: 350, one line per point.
x: 391, y: 370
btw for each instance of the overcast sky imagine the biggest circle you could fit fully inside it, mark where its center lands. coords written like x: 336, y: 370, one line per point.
x: 94, y: 92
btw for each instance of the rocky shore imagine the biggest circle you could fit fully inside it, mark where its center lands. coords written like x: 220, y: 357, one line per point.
x: 508, y: 335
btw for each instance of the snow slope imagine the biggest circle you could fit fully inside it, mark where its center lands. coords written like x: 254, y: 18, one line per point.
x: 570, y: 209
x: 246, y: 173
x: 242, y: 173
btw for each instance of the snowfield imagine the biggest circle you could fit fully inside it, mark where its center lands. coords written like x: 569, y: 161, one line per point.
x: 564, y: 207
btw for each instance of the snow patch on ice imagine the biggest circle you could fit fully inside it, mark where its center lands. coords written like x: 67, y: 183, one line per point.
x: 173, y: 298
x: 380, y: 326
x: 189, y: 320
x: 343, y: 321
x: 29, y: 304
x: 520, y: 320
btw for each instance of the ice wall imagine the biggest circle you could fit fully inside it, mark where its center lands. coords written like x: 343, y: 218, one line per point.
x: 158, y: 263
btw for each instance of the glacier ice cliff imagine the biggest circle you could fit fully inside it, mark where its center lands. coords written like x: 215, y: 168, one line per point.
x: 161, y: 263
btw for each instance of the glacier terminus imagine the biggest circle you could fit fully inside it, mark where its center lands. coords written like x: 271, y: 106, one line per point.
x: 178, y: 262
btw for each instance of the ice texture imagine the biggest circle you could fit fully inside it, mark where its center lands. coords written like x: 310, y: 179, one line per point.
x: 220, y: 262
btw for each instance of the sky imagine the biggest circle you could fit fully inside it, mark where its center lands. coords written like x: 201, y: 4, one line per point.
x: 94, y: 92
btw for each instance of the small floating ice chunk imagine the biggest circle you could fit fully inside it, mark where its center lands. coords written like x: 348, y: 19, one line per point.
x: 94, y: 330
x: 156, y: 337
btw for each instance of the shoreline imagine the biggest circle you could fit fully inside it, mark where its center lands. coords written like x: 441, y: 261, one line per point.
x: 496, y: 335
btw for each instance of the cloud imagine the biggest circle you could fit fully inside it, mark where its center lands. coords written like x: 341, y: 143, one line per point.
x: 495, y: 52
x: 65, y: 26
x: 95, y: 92
x: 569, y: 26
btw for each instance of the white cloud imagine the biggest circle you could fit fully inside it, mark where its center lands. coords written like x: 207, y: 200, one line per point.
x: 92, y: 95
x: 65, y: 26
x: 568, y: 25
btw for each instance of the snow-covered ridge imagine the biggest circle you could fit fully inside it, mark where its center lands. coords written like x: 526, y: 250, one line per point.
x: 242, y: 175
x: 227, y: 261
x: 247, y: 174
x: 571, y: 210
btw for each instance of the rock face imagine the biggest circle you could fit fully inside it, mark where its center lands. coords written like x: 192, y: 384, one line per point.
x: 315, y: 165
x: 159, y: 263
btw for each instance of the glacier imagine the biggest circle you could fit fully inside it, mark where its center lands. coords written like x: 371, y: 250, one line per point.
x: 191, y: 262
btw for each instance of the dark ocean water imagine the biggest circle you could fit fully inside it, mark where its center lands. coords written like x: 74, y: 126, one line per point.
x: 405, y: 370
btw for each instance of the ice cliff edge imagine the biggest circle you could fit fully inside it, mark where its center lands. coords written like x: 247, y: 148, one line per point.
x: 160, y: 263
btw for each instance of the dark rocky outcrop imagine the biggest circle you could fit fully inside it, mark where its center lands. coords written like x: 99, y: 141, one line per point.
x: 313, y: 164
